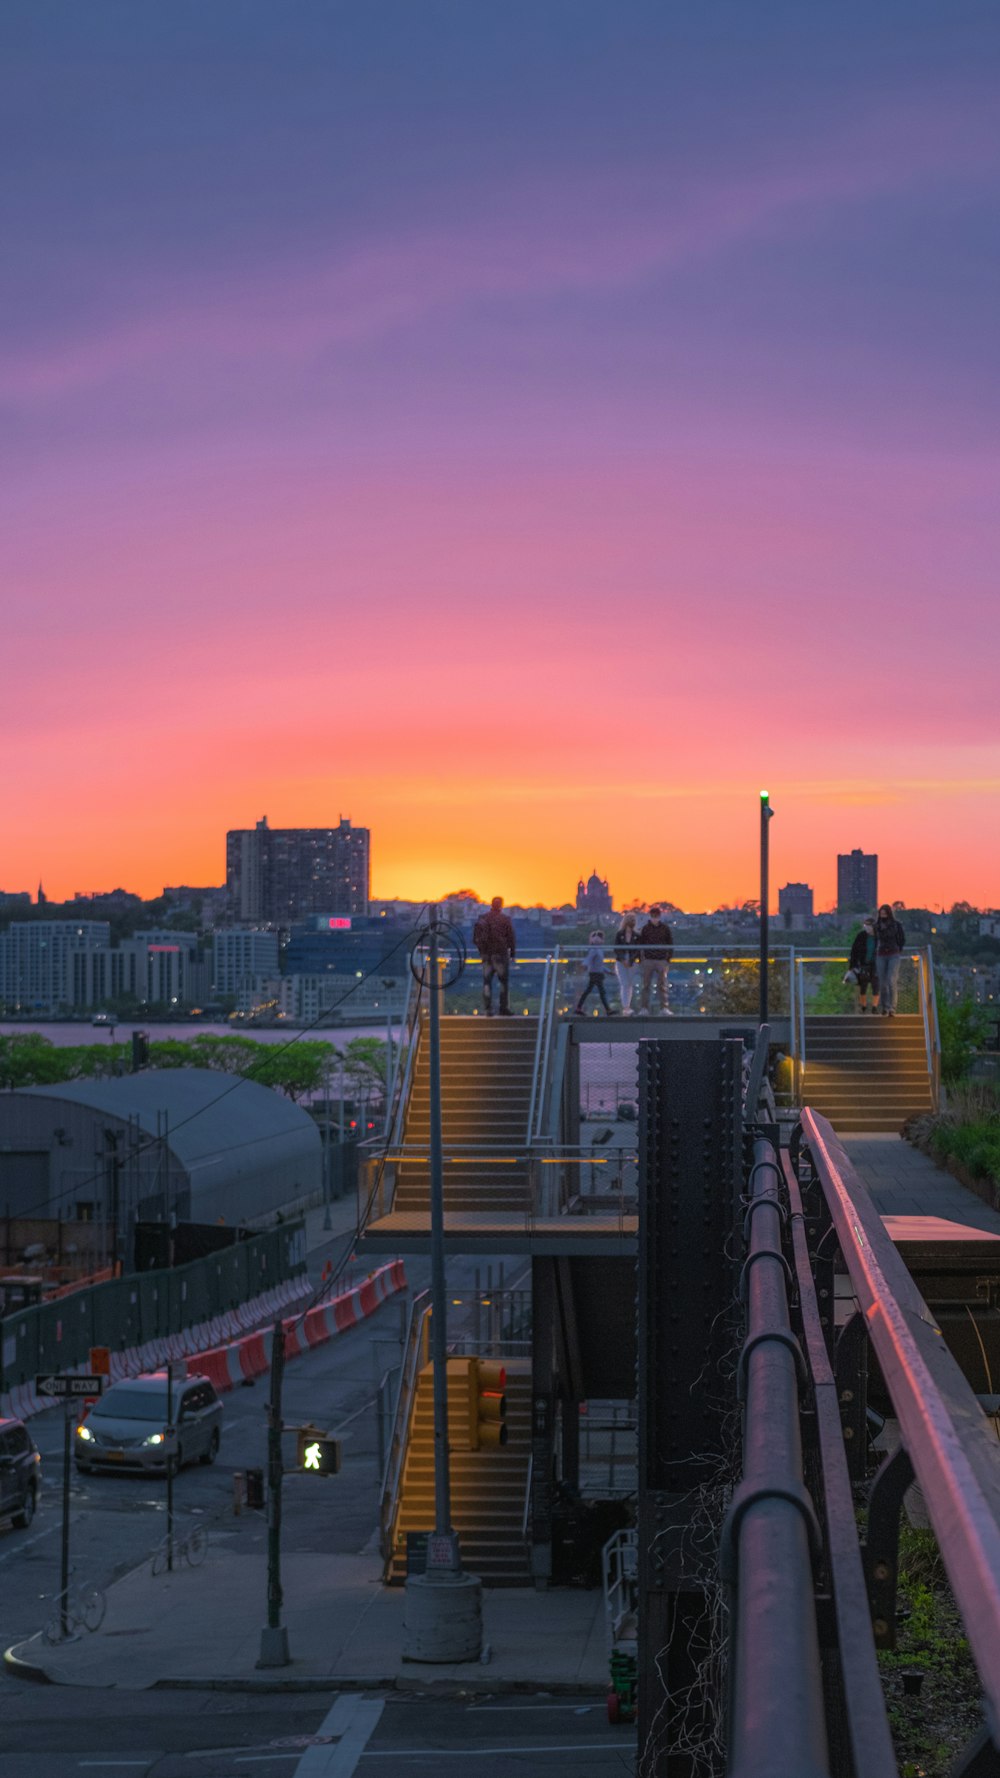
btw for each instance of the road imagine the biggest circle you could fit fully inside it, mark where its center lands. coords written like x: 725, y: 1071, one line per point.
x: 62, y: 1732
x: 118, y: 1520
x: 56, y: 1733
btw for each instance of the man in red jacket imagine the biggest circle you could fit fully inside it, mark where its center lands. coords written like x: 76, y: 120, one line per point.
x: 493, y: 934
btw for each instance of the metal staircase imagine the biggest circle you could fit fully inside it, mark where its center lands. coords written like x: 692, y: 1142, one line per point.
x: 488, y: 1487
x: 866, y: 1073
x: 487, y: 1074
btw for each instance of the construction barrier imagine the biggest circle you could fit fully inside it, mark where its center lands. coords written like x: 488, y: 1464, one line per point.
x: 195, y: 1345
x: 240, y: 1361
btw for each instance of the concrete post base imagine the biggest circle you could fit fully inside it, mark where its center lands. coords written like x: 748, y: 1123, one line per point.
x: 274, y: 1647
x: 443, y: 1618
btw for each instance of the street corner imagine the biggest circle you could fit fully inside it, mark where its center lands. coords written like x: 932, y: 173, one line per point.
x: 18, y: 1662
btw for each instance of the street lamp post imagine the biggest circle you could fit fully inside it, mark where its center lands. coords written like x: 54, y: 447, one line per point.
x: 442, y: 1615
x: 766, y: 812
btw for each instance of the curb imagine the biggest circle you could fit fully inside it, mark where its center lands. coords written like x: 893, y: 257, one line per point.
x: 481, y: 1685
x: 21, y: 1669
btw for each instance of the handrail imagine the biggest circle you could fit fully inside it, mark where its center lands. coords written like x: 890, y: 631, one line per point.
x: 802, y: 1029
x: 538, y: 1049
x: 546, y: 1016
x: 955, y: 1458
x: 526, y: 1515
x: 935, y: 1028
x: 756, y: 1076
x: 414, y: 1358
x: 770, y: 1532
x: 926, y: 1016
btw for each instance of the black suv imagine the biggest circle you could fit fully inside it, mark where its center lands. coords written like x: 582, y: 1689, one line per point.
x: 20, y: 1473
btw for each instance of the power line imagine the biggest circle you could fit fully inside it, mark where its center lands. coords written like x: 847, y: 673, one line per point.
x: 273, y: 1051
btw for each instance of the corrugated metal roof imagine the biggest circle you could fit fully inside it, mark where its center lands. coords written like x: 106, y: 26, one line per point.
x: 208, y: 1112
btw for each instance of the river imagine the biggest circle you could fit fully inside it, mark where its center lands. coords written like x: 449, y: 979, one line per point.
x: 80, y: 1031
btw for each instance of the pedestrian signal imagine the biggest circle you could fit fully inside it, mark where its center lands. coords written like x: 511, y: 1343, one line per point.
x: 487, y: 1404
x: 317, y: 1454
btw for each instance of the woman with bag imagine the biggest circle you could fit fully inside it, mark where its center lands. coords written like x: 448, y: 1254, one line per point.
x: 863, y: 966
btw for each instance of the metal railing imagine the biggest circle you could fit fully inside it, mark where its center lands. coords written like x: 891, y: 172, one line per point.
x: 564, y: 1181
x: 536, y: 1067
x: 953, y: 1452
x: 416, y: 1349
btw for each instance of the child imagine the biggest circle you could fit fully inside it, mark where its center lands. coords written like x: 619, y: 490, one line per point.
x: 595, y: 967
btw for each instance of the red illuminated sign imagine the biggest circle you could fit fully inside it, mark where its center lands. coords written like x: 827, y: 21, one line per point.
x: 163, y: 947
x: 339, y: 923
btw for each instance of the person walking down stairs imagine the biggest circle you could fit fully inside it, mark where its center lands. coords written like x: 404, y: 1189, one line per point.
x: 493, y: 936
x: 889, y: 941
x: 595, y: 972
x: 864, y: 966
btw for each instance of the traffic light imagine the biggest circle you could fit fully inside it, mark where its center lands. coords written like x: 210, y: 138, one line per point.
x: 487, y: 1404
x: 316, y: 1452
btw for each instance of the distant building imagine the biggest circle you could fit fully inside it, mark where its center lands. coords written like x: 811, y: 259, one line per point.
x: 275, y: 875
x: 857, y: 881
x: 209, y: 902
x: 593, y: 897
x: 240, y: 954
x: 795, y: 906
x: 347, y: 945
x: 161, y: 968
x: 43, y: 963
x: 11, y: 900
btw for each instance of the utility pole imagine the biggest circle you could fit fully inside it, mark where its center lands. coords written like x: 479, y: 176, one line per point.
x: 327, y: 1160
x: 766, y: 812
x: 274, y: 1637
x: 442, y: 1614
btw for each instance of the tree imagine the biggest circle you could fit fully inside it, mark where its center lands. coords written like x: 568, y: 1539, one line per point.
x: 962, y: 1025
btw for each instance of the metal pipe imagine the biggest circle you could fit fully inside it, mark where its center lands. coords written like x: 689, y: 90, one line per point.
x: 777, y: 1718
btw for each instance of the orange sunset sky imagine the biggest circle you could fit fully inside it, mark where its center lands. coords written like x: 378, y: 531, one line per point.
x: 542, y: 430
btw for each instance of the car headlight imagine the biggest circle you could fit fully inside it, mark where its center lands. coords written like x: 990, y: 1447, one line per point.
x: 155, y: 1438
x: 85, y: 1433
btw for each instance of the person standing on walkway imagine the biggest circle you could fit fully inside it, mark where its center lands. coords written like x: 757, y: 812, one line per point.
x: 889, y: 941
x: 657, y: 947
x: 627, y: 959
x: 493, y: 936
x: 864, y: 964
x: 595, y: 972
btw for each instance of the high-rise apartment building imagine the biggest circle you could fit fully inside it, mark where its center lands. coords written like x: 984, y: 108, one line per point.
x: 857, y: 881
x: 280, y: 874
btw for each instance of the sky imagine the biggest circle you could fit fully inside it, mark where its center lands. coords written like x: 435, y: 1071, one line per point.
x: 527, y: 430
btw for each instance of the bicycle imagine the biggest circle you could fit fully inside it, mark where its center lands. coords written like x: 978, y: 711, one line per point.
x: 190, y: 1549
x: 84, y: 1609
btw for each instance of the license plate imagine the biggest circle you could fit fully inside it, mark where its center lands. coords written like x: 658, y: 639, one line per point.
x: 114, y: 1456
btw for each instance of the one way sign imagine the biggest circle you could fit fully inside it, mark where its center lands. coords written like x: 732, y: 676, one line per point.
x: 57, y: 1384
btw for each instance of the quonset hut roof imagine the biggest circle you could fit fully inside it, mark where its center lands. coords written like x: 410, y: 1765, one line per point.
x: 224, y: 1132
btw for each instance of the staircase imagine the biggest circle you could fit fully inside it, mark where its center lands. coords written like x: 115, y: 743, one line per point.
x: 487, y: 1487
x: 865, y: 1072
x: 486, y: 1074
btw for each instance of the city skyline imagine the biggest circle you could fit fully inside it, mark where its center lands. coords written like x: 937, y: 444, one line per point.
x: 648, y: 359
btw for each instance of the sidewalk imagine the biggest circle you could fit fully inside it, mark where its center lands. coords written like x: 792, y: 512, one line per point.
x: 904, y: 1182
x: 200, y: 1629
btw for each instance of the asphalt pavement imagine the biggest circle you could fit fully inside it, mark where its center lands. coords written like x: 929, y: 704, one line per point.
x: 53, y: 1733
